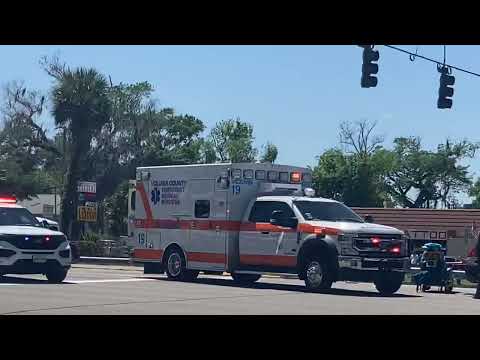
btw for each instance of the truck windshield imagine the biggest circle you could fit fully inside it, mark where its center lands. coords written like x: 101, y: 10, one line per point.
x: 327, y: 211
x: 17, y: 216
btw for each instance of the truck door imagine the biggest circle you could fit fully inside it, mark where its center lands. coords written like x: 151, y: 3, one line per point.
x: 264, y: 246
x: 206, y: 247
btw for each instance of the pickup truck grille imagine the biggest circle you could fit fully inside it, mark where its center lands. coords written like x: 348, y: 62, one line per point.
x: 380, y: 245
x: 30, y: 242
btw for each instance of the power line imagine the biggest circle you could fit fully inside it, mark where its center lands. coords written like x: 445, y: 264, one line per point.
x: 415, y: 55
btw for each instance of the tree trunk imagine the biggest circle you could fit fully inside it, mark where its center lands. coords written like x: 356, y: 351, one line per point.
x: 69, y: 201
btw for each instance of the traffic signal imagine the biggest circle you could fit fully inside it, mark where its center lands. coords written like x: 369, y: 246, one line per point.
x: 369, y: 66
x: 445, y: 92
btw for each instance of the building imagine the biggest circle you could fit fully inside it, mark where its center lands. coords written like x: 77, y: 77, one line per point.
x: 452, y: 227
x: 43, y: 205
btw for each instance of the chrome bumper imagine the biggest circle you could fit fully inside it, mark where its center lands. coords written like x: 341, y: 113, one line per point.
x: 366, y: 263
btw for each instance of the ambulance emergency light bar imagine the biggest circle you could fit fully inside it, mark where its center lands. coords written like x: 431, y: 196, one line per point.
x: 283, y: 177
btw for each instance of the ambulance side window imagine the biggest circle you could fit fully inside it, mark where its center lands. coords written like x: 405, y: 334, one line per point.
x: 202, y: 209
x: 262, y: 211
x: 132, y: 201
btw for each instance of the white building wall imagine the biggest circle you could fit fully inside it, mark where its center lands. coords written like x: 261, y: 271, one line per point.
x: 43, y: 205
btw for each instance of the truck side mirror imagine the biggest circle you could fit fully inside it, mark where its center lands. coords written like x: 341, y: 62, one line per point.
x: 369, y: 219
x: 276, y: 217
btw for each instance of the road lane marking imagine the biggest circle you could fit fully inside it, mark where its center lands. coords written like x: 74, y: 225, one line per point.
x: 107, y: 281
x: 67, y: 282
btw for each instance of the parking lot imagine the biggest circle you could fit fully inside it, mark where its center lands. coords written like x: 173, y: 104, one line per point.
x: 102, y: 289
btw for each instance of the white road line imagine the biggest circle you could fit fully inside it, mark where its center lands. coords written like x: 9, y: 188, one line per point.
x: 79, y: 281
x: 106, y: 281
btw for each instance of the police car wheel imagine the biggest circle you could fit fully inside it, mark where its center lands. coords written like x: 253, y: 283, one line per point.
x: 388, y: 283
x: 318, y: 276
x: 56, y: 275
x: 245, y: 279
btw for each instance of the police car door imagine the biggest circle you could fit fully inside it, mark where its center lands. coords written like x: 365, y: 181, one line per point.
x: 206, y: 246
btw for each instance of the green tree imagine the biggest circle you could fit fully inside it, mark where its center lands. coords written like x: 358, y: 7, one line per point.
x: 138, y: 133
x: 353, y: 174
x: 270, y: 153
x: 474, y: 192
x: 81, y: 106
x: 25, y: 149
x: 422, y: 178
x: 233, y: 141
x: 116, y: 210
x: 332, y: 175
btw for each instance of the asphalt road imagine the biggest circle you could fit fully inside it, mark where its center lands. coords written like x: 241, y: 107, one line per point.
x: 97, y: 289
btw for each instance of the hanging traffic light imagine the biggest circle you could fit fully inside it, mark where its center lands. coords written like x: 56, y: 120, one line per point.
x: 369, y: 67
x: 445, y: 92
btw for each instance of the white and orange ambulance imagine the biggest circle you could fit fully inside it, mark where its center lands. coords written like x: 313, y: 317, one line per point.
x: 249, y: 219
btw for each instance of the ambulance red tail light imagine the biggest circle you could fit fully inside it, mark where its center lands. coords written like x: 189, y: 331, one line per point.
x: 295, y: 177
x: 8, y: 200
x: 472, y: 253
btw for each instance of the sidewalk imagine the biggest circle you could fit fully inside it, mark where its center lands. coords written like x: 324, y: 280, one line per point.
x: 105, y: 261
x: 127, y: 264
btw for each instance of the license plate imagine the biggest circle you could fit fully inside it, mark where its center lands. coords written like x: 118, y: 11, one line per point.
x: 39, y: 259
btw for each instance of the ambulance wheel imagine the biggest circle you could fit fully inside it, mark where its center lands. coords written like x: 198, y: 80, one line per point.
x: 245, y: 279
x: 56, y: 275
x: 176, y: 267
x: 318, y: 275
x: 388, y: 283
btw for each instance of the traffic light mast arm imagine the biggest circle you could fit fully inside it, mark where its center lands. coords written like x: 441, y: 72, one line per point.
x: 432, y: 60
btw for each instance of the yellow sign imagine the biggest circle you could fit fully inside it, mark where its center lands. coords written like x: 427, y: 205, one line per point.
x: 87, y: 213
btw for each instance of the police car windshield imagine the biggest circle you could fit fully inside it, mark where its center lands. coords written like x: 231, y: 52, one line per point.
x: 327, y: 211
x: 16, y: 217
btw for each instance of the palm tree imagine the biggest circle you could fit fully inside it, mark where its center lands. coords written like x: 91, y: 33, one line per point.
x: 81, y: 106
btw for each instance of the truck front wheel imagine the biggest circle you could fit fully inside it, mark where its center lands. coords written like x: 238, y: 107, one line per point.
x: 176, y: 267
x: 318, y: 275
x: 388, y: 283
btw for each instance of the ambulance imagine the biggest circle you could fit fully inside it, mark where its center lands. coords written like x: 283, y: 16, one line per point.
x: 28, y: 246
x: 249, y: 219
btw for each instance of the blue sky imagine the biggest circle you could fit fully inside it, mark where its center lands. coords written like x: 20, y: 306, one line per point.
x: 295, y: 96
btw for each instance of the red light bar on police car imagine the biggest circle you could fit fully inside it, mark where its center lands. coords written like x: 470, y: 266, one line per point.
x: 8, y: 200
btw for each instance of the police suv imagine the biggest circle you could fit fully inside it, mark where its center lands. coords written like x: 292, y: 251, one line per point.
x: 30, y: 247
